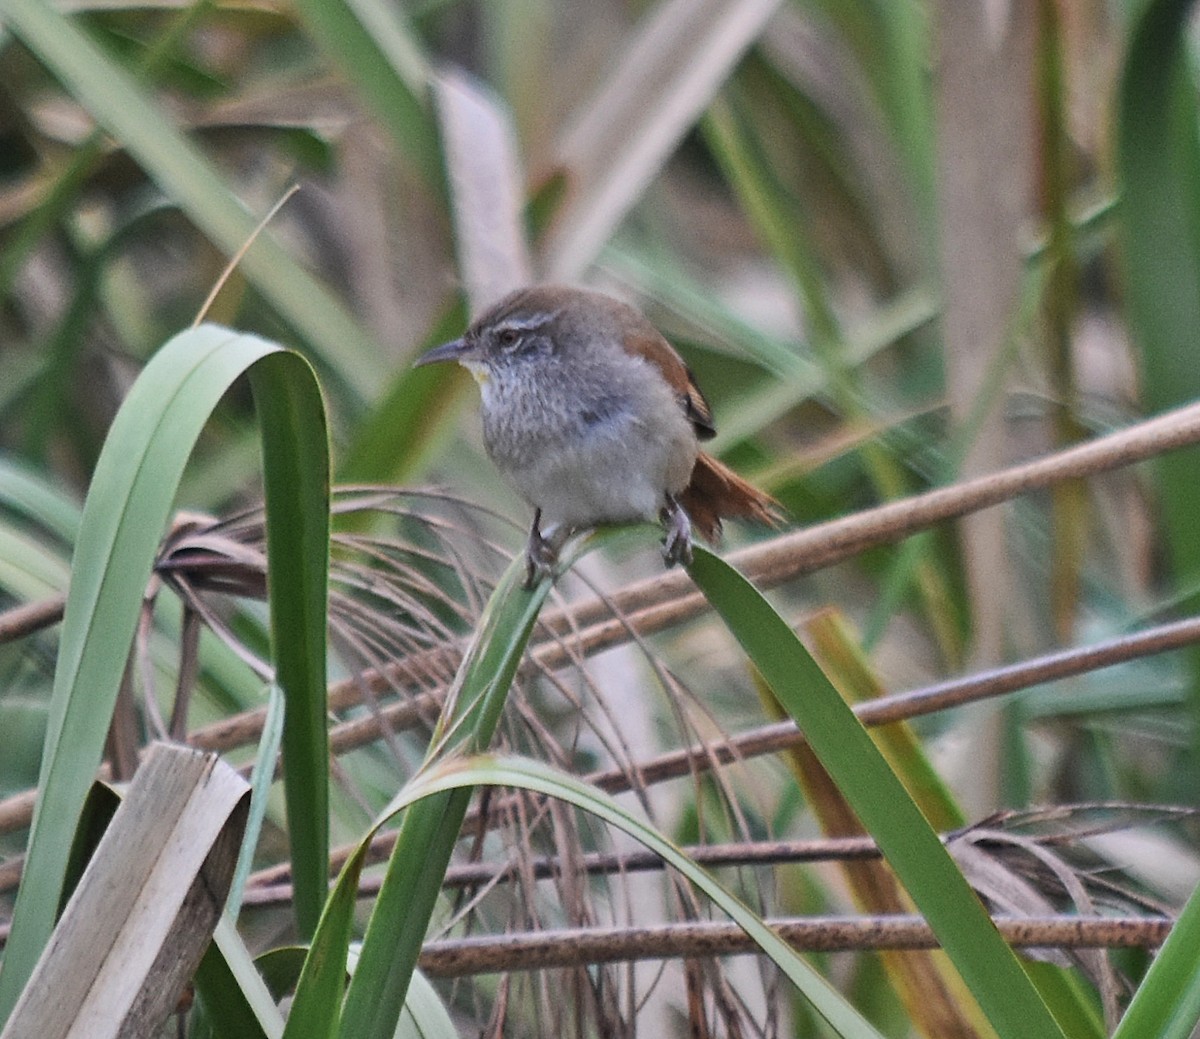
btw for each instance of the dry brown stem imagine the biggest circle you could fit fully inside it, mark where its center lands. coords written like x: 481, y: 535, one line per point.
x: 566, y: 948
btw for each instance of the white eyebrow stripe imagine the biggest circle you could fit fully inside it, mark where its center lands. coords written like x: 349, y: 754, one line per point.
x: 530, y: 322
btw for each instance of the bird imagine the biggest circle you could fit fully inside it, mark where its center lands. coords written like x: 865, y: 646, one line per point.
x: 594, y: 418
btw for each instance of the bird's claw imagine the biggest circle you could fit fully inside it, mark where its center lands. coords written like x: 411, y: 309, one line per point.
x: 677, y: 545
x: 541, y: 556
x: 539, y: 562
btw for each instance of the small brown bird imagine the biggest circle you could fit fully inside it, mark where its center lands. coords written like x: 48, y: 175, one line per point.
x: 594, y: 418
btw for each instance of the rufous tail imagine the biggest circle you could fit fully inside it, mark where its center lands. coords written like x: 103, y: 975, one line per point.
x: 716, y: 491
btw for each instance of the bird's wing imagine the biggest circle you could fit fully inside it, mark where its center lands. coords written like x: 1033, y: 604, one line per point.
x: 654, y: 348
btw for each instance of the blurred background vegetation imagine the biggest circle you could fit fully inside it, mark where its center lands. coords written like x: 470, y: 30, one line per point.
x: 900, y: 243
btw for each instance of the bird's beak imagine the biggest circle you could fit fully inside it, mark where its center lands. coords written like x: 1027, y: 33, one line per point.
x: 456, y: 350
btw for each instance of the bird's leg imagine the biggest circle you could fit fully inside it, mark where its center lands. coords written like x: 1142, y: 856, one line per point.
x: 677, y: 546
x: 540, y: 553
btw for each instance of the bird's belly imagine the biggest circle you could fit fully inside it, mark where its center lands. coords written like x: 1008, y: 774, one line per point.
x: 606, y: 478
x: 590, y: 448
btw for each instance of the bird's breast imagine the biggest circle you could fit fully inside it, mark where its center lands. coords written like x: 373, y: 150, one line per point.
x: 586, y: 453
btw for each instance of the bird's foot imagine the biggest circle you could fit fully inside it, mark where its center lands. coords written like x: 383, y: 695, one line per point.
x: 540, y: 559
x: 541, y: 553
x: 677, y: 545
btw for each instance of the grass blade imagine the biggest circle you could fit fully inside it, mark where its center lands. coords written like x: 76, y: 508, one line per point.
x: 37, y: 500
x: 429, y: 832
x: 383, y: 61
x: 234, y: 1000
x: 126, y: 512
x: 296, y: 477
x: 1158, y: 163
x: 389, y: 952
x: 454, y: 775
x: 932, y: 994
x: 1167, y: 1003
x: 261, y: 778
x: 425, y: 1015
x: 400, y: 918
x: 452, y: 780
x: 124, y: 518
x: 986, y: 963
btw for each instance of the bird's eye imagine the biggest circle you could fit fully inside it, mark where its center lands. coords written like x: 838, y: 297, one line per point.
x: 508, y: 338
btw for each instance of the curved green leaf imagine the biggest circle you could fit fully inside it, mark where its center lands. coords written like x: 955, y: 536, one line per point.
x: 836, y: 736
x: 436, y: 801
x: 486, y: 770
x: 296, y: 477
x: 456, y: 775
x: 124, y: 517
x: 1158, y: 162
x: 426, y: 840
x: 430, y: 830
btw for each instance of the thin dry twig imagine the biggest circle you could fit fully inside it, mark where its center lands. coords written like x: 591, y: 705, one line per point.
x: 236, y: 258
x: 1073, y: 822
x: 22, y: 621
x: 567, y: 948
x: 941, y: 696
x: 542, y: 867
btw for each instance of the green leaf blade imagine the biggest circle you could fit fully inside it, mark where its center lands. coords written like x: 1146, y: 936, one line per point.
x: 957, y: 917
x: 124, y: 518
x: 123, y: 521
x: 430, y: 830
x: 1158, y: 160
x: 511, y: 771
x: 297, y: 484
